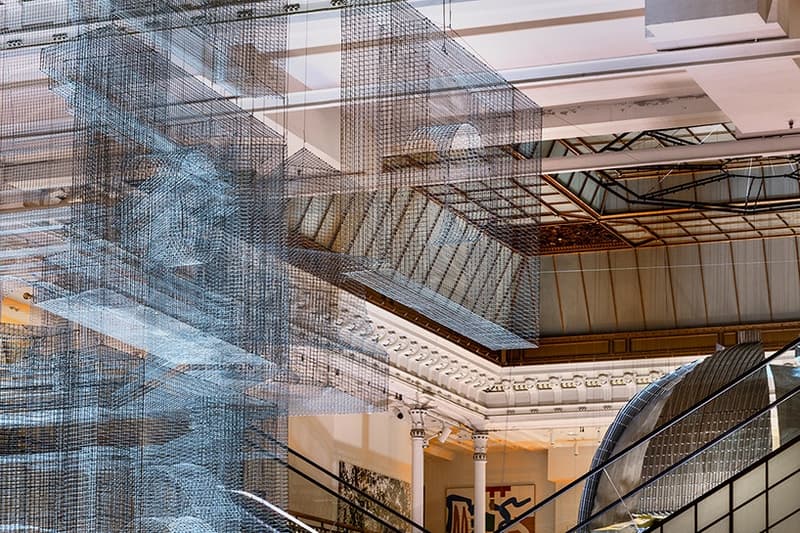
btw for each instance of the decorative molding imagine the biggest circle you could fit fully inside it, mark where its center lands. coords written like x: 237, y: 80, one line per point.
x: 578, y: 237
x: 457, y: 385
x: 480, y: 443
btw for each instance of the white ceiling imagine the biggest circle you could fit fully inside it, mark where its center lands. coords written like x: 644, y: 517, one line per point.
x: 605, y: 58
x: 592, y: 67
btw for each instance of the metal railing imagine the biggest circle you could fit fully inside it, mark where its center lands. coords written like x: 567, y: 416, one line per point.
x: 760, y: 498
x: 569, y: 491
x: 367, y: 507
x: 698, y: 455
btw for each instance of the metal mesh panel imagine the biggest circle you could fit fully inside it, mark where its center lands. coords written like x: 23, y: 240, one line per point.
x: 728, y: 457
x: 186, y: 315
x: 34, y: 160
x: 198, y: 284
x: 637, y: 418
x: 175, y: 251
x: 418, y: 111
x: 331, y: 332
x: 660, y: 403
x: 33, y: 382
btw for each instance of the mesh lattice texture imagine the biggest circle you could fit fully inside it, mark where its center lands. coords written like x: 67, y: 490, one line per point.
x: 424, y: 121
x: 661, y: 403
x: 742, y: 448
x: 180, y: 315
x: 192, y: 275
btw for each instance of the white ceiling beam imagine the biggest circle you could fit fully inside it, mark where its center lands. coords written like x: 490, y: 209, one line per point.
x: 534, y: 76
x: 606, y: 118
x: 675, y: 59
x: 760, y: 97
x: 531, y: 77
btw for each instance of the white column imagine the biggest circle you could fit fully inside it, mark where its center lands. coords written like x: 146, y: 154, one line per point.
x: 418, y: 466
x: 480, y: 440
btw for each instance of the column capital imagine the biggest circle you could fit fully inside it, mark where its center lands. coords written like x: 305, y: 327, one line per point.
x: 480, y: 441
x: 417, y: 433
x: 417, y: 422
x: 417, y: 418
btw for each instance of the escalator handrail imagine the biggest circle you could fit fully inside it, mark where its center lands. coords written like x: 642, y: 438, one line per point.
x: 344, y: 482
x: 393, y: 529
x: 273, y: 508
x: 794, y: 440
x: 655, y: 432
x: 710, y: 444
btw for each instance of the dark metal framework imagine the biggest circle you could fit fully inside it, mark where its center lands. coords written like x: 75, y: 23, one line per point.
x: 752, y: 185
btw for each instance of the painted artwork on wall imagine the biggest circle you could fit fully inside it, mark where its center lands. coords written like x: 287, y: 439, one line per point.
x: 392, y: 492
x: 503, y: 504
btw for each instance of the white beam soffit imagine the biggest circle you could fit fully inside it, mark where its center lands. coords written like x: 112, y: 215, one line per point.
x: 524, y: 78
x: 648, y: 63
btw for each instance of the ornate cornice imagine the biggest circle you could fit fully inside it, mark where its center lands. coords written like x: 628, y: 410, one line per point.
x: 460, y: 388
x: 456, y: 384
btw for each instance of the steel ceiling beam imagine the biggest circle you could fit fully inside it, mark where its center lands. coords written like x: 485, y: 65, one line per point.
x: 759, y: 147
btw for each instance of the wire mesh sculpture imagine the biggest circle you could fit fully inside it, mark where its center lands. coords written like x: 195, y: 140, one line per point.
x: 420, y: 111
x: 194, y: 286
x: 182, y: 322
x: 670, y: 451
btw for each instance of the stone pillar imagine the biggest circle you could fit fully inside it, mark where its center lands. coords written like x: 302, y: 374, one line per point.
x: 418, y: 466
x: 480, y: 440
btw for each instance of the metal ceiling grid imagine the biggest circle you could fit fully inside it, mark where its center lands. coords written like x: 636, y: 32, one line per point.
x: 418, y: 108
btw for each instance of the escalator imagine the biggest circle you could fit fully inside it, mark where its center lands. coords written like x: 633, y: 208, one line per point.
x: 666, y: 449
x: 760, y: 499
x: 324, y: 500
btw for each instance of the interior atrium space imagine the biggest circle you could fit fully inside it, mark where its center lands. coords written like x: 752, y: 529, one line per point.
x: 399, y: 266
